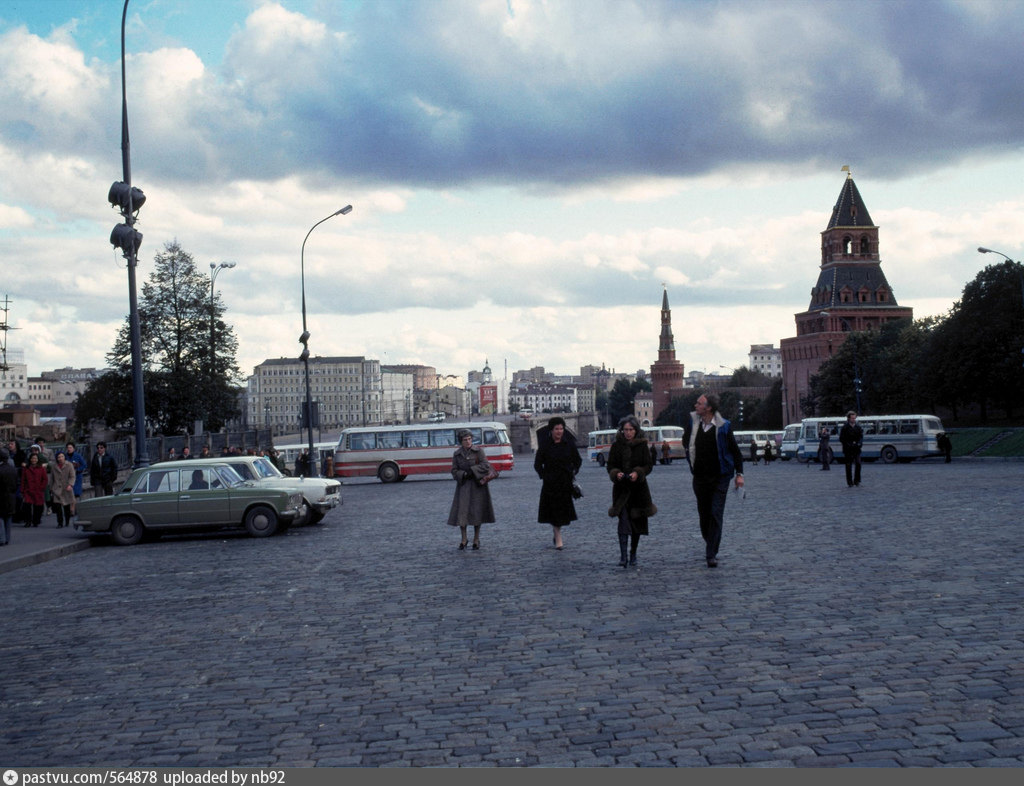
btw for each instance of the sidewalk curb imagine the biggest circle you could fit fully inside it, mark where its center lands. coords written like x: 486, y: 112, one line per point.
x: 45, y: 555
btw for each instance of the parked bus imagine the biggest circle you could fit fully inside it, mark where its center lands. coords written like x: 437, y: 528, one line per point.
x: 290, y: 452
x: 600, y: 442
x: 392, y: 453
x: 745, y: 438
x: 890, y: 438
x: 790, y: 441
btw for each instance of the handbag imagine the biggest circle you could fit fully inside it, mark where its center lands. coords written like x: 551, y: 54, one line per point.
x: 577, y: 492
x: 488, y: 478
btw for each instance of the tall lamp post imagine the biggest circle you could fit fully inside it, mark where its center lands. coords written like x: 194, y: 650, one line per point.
x: 314, y: 461
x: 856, y: 371
x: 214, y: 270
x: 128, y: 239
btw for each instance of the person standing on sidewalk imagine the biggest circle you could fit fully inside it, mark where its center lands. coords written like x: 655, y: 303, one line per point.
x: 714, y: 459
x: 471, y: 505
x: 62, y: 489
x: 102, y: 472
x: 8, y: 489
x: 851, y: 436
x: 76, y: 460
x: 34, y: 480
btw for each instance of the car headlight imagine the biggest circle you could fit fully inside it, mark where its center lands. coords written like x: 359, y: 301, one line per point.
x: 295, y: 500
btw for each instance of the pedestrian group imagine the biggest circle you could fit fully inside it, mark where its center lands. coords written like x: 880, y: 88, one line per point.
x: 710, y: 446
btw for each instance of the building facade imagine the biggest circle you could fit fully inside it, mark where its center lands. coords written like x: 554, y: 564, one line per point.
x: 347, y: 391
x: 765, y: 358
x: 850, y: 295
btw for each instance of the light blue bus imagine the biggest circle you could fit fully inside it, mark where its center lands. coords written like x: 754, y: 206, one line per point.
x: 890, y: 438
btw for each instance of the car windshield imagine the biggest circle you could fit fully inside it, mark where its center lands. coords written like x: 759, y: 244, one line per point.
x: 265, y: 468
x: 228, y: 476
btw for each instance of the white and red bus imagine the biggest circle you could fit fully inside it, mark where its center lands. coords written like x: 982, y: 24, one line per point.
x: 392, y: 453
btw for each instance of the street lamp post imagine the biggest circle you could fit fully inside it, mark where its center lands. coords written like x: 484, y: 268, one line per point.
x: 214, y: 270
x: 314, y: 462
x: 856, y: 371
x: 128, y: 239
x: 983, y: 250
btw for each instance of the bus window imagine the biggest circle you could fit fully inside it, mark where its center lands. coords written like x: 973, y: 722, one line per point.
x: 869, y: 426
x: 363, y: 441
x: 910, y: 426
x: 490, y: 437
x: 886, y: 427
x: 389, y: 439
x: 415, y: 439
x: 442, y: 437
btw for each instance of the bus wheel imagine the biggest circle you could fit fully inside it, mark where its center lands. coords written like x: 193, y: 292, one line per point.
x: 889, y: 455
x: 600, y: 459
x: 388, y: 473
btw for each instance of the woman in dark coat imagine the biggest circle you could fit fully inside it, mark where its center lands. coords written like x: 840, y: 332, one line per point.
x: 629, y: 464
x: 472, y: 503
x: 557, y: 462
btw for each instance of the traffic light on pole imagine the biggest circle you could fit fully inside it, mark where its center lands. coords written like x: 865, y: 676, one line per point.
x: 128, y: 200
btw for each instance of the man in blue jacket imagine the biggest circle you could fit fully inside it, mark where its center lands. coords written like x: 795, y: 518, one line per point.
x: 714, y: 459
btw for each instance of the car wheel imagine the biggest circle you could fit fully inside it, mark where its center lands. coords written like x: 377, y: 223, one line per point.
x: 388, y: 473
x: 600, y: 459
x: 315, y: 516
x: 126, y: 530
x: 261, y: 521
x: 889, y: 454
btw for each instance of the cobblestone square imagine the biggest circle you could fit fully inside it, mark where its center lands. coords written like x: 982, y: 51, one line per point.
x: 875, y: 626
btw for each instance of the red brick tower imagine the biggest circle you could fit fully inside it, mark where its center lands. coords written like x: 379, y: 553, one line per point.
x: 667, y: 372
x: 851, y: 294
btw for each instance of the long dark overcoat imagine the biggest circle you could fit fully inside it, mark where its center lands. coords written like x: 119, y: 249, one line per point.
x: 557, y: 464
x: 635, y: 496
x: 472, y: 503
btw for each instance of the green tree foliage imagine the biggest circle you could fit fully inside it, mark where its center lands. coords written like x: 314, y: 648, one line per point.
x: 620, y: 398
x: 186, y: 376
x: 969, y: 359
x: 677, y: 413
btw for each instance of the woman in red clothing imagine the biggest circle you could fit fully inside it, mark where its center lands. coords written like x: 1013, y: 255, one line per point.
x: 34, y: 480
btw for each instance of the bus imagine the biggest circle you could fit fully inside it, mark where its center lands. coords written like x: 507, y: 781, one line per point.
x: 790, y: 441
x: 746, y: 438
x: 392, y: 453
x: 292, y: 451
x: 600, y: 442
x: 890, y: 438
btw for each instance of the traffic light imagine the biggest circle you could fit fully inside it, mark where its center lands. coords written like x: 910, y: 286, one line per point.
x: 127, y: 199
x: 126, y: 238
x: 304, y: 340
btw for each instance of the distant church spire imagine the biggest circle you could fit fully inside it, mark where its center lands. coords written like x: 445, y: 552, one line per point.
x: 667, y: 343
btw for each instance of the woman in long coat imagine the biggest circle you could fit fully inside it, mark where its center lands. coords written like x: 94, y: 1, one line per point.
x: 472, y: 503
x: 557, y: 462
x: 62, y: 489
x: 629, y: 464
x: 34, y: 480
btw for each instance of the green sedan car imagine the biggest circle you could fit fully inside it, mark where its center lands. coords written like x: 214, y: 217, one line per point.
x: 178, y: 496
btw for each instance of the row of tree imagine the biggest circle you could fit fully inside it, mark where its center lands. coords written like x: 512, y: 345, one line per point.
x: 967, y: 365
x: 188, y: 355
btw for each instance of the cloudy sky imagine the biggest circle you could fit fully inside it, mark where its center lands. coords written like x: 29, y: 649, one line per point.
x: 526, y: 175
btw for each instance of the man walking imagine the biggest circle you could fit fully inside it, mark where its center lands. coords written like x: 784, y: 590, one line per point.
x: 851, y: 436
x: 714, y: 458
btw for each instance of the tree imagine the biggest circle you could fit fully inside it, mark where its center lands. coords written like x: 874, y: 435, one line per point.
x: 187, y: 377
x: 620, y: 399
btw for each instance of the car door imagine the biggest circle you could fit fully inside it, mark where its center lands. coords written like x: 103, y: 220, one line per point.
x: 203, y: 500
x: 155, y: 498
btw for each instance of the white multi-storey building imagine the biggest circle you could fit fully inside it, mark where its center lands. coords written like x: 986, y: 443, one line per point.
x: 347, y: 391
x: 545, y: 398
x: 765, y: 358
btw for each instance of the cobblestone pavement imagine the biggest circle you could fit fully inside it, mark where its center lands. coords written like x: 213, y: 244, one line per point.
x: 875, y: 626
